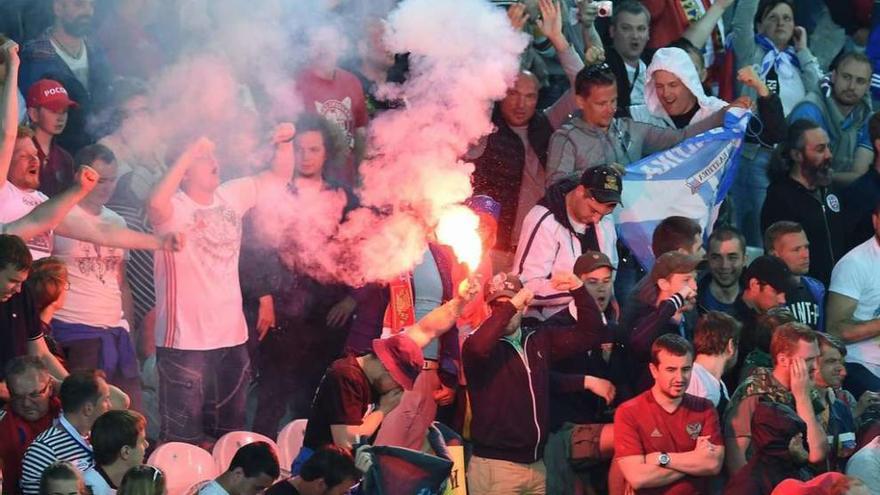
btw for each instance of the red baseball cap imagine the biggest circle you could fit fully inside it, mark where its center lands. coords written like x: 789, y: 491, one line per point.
x: 49, y: 94
x: 402, y: 357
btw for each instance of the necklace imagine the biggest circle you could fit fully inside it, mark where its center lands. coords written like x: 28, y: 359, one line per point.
x: 72, y: 53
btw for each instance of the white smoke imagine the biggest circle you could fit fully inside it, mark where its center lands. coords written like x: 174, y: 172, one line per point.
x: 463, y: 56
x: 232, y: 82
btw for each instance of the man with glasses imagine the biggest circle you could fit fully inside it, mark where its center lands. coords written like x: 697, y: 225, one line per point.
x: 572, y: 218
x: 32, y: 408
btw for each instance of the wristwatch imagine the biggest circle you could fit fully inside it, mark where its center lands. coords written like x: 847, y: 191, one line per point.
x: 663, y: 459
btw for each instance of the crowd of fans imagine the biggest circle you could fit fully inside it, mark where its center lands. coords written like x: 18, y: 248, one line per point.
x: 139, y: 305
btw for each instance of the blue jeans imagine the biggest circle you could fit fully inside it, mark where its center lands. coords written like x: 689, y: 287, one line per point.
x: 749, y: 190
x: 202, y: 393
x: 859, y: 379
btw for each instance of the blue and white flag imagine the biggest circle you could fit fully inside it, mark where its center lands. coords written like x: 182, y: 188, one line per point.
x: 690, y: 180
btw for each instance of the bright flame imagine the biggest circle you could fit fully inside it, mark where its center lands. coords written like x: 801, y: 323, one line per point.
x: 459, y: 228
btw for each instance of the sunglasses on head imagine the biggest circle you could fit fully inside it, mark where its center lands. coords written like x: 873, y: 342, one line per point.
x: 596, y: 70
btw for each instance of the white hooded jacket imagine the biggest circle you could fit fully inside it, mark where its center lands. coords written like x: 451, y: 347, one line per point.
x: 676, y: 61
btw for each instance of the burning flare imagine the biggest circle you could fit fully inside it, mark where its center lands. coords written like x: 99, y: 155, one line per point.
x: 459, y: 228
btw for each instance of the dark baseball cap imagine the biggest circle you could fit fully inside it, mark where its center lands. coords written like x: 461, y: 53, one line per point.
x: 502, y: 285
x: 402, y: 357
x: 589, y: 261
x: 673, y: 262
x: 773, y: 271
x: 604, y: 183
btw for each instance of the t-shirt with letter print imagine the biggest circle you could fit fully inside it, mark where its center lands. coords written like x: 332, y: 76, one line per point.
x: 642, y: 427
x: 198, y: 295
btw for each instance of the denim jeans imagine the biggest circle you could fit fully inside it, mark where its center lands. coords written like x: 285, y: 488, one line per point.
x: 291, y: 361
x: 749, y: 190
x: 202, y: 394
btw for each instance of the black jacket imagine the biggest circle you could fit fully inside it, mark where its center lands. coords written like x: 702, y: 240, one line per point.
x: 818, y: 212
x: 642, y: 323
x: 509, y: 391
x: 498, y: 170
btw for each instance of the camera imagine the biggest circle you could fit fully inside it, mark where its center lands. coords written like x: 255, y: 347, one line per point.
x: 606, y: 8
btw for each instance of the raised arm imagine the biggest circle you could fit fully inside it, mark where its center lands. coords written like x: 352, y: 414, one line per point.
x: 442, y: 318
x: 159, y: 206
x: 698, y: 33
x: 8, y: 107
x: 76, y: 226
x: 743, y: 31
x: 284, y: 159
x: 46, y: 216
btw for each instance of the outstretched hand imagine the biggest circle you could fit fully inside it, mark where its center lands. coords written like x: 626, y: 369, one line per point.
x: 517, y: 16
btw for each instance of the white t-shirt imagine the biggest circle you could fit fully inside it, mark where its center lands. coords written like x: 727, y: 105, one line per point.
x: 94, y: 298
x: 704, y: 384
x: 16, y: 203
x: 198, y: 296
x: 79, y: 65
x: 857, y: 276
x: 96, y: 482
x: 212, y: 488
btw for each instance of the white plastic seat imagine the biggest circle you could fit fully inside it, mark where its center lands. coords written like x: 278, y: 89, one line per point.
x: 290, y: 440
x: 184, y: 465
x: 228, y: 445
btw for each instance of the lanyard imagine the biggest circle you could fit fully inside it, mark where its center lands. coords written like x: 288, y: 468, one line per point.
x: 62, y: 421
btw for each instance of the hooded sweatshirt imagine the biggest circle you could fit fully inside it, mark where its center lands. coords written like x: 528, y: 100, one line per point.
x: 550, y: 243
x: 677, y: 62
x: 773, y: 426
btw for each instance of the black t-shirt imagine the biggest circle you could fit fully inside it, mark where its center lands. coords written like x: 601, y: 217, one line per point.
x: 19, y: 323
x: 684, y: 120
x: 803, y: 306
x: 283, y: 487
x: 342, y: 399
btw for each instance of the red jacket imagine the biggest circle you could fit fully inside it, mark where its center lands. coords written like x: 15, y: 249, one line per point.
x: 15, y: 435
x: 668, y: 21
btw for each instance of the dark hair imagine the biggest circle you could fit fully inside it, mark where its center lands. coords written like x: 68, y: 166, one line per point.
x: 714, y: 331
x: 778, y: 229
x: 781, y: 162
x: 142, y: 480
x: 726, y: 233
x: 255, y: 459
x: 765, y: 6
x: 629, y: 7
x: 123, y: 89
x: 13, y: 251
x: 332, y: 464
x: 114, y: 430
x: 332, y: 135
x: 874, y: 128
x: 850, y: 55
x: 589, y: 77
x: 768, y: 322
x: 674, y: 233
x: 92, y: 153
x: 46, y: 281
x: 829, y: 340
x: 61, y: 470
x: 786, y: 337
x: 673, y: 344
x: 22, y: 364
x: 79, y: 388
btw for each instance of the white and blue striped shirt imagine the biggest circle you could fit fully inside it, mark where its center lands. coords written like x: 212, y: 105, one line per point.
x: 61, y: 442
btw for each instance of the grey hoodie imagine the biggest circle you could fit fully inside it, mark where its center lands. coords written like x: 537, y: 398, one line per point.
x: 578, y: 145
